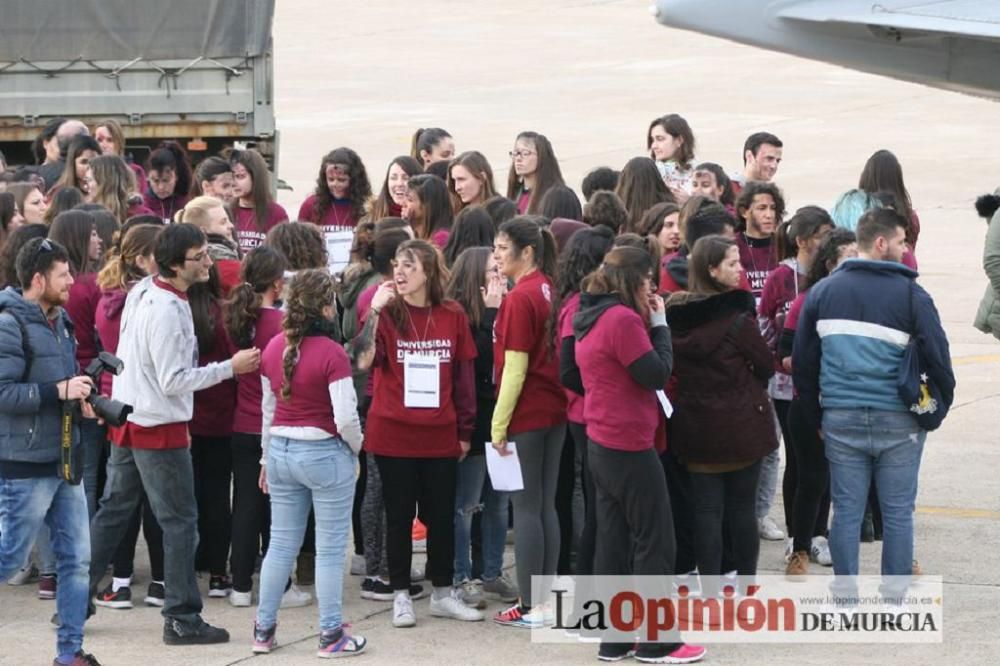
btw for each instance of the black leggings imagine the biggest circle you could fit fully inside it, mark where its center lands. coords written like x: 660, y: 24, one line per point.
x: 790, y: 479
x: 212, y: 462
x: 564, y: 505
x: 251, y: 511
x: 729, y: 494
x: 682, y: 506
x: 588, y: 536
x: 812, y: 496
x: 431, y: 483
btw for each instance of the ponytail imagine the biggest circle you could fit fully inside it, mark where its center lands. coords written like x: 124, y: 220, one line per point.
x: 262, y: 267
x: 424, y: 139
x: 527, y: 231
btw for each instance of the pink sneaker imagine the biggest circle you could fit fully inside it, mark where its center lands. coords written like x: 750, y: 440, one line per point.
x: 685, y: 654
x: 264, y: 639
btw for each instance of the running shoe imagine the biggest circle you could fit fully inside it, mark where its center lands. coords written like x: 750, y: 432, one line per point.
x: 338, y: 643
x: 109, y: 598
x: 264, y: 640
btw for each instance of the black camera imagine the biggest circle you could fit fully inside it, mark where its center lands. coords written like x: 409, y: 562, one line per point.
x: 113, y: 412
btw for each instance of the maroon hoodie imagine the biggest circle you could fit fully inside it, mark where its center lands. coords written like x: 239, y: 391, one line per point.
x: 82, y: 308
x: 108, y: 319
x: 164, y: 208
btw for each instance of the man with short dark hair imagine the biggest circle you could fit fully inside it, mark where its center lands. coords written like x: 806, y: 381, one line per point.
x: 38, y: 374
x: 151, y: 451
x: 761, y: 157
x: 852, y: 333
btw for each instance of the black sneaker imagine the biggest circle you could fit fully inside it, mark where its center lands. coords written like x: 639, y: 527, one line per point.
x: 378, y: 591
x: 154, y: 595
x: 199, y: 632
x: 81, y: 658
x: 122, y: 599
x: 615, y: 651
x: 219, y: 587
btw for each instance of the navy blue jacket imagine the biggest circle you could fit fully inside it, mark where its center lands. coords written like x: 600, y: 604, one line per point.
x: 851, y: 335
x: 30, y: 410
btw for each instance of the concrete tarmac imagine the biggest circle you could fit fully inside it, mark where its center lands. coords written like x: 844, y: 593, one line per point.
x: 591, y: 75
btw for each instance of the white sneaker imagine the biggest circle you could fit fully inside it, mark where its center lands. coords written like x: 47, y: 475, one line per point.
x: 788, y: 549
x: 564, y: 584
x: 420, y: 545
x: 24, y: 575
x: 416, y: 574
x: 819, y: 551
x: 768, y: 530
x: 358, y: 567
x: 241, y: 599
x: 402, y: 611
x: 295, y: 598
x: 452, y: 607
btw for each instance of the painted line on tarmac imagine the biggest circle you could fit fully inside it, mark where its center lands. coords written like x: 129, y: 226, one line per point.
x: 959, y: 512
x: 978, y: 358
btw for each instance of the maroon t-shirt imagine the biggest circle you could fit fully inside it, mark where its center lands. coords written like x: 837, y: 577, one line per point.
x: 618, y: 412
x: 164, y: 208
x: 758, y: 260
x: 81, y: 307
x: 338, y: 217
x: 247, y: 415
x: 405, y: 432
x: 321, y: 363
x: 521, y: 326
x: 248, y: 234
x: 214, y: 406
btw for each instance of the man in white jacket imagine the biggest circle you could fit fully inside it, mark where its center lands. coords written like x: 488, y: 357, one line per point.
x: 150, y: 452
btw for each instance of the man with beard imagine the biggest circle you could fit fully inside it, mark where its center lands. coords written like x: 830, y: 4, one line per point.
x: 760, y: 208
x: 151, y: 451
x: 38, y: 373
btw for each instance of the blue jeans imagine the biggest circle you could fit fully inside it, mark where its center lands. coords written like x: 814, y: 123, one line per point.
x: 768, y: 484
x: 860, y: 444
x: 24, y: 505
x: 168, y: 480
x: 93, y: 439
x: 303, y: 474
x: 475, y: 493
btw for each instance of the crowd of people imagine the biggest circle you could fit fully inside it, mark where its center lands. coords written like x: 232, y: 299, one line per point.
x: 301, y: 384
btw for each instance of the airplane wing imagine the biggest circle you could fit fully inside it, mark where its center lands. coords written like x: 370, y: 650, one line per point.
x: 950, y: 44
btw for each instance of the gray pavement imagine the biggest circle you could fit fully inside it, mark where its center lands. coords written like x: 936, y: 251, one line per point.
x: 591, y: 75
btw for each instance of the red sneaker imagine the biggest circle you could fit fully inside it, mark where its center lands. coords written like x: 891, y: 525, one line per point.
x: 47, y: 587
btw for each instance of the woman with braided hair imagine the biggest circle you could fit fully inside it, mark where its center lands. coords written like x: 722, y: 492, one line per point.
x: 310, y: 438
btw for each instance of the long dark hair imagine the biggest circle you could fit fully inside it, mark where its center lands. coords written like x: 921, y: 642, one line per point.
x: 547, y: 173
x: 72, y: 230
x: 8, y: 253
x: 65, y: 198
x: 652, y: 222
x: 467, y: 281
x: 262, y: 267
x: 806, y: 223
x: 828, y: 253
x: 640, y: 187
x: 170, y: 155
x: 79, y: 144
x: 205, y: 299
x: 883, y: 173
x: 581, y: 257
x: 436, y: 204
x: 208, y: 170
x: 256, y: 166
x: 382, y: 205
x: 524, y: 232
x: 473, y: 228
x: 561, y: 201
x: 358, y: 190
x: 622, y: 273
x: 708, y: 252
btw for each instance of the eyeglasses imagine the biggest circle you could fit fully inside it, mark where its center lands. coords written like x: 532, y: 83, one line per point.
x: 43, y: 247
x: 520, y: 154
x: 198, y: 258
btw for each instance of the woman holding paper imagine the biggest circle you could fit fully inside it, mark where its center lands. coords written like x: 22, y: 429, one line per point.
x: 420, y: 349
x: 624, y: 357
x: 531, y: 405
x: 723, y: 424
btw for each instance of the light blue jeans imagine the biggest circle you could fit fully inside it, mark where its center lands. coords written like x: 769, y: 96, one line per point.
x: 473, y: 493
x: 862, y: 444
x: 303, y: 474
x: 24, y: 505
x: 768, y: 484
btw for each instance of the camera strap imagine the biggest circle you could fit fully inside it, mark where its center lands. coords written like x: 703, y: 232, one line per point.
x: 70, y: 458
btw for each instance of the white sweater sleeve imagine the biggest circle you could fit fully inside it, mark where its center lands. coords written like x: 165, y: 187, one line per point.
x: 345, y: 412
x: 267, y: 409
x: 172, y: 359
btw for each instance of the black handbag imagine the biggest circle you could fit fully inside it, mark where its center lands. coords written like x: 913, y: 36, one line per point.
x: 922, y: 397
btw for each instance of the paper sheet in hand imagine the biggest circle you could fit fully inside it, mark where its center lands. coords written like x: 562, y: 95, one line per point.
x: 668, y: 409
x: 338, y: 250
x: 505, y: 471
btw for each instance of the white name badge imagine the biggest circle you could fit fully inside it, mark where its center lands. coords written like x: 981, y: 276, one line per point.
x: 338, y: 250
x: 421, y: 381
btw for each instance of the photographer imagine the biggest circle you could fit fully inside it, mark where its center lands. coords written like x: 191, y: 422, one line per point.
x: 151, y: 452
x: 38, y: 373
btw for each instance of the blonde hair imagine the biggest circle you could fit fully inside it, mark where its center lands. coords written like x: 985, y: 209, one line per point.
x: 114, y: 183
x: 196, y: 211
